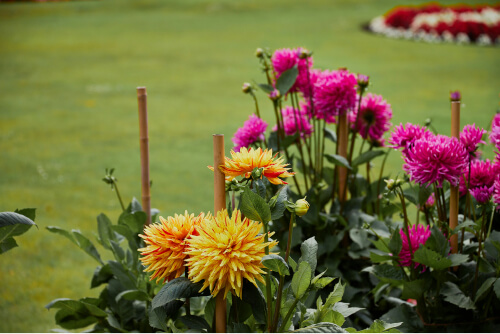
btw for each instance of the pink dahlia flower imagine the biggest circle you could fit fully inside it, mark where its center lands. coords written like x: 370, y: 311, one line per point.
x: 495, y: 136
x: 418, y: 236
x: 435, y: 159
x: 482, y: 173
x: 496, y: 121
x: 252, y: 131
x: 496, y: 193
x: 285, y: 59
x: 308, y: 89
x: 482, y: 194
x: 402, y: 135
x: 374, y: 119
x: 295, y: 120
x: 471, y: 136
x: 334, y: 94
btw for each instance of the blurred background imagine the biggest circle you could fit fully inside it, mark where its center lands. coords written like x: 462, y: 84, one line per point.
x: 68, y: 109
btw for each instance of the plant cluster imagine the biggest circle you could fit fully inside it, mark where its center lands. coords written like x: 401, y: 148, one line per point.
x: 436, y: 23
x: 312, y: 213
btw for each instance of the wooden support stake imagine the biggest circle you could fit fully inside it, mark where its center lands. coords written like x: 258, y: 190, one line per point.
x: 144, y: 147
x: 342, y: 145
x: 455, y: 132
x: 219, y: 204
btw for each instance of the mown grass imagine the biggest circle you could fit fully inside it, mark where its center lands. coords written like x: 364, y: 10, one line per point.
x: 68, y: 109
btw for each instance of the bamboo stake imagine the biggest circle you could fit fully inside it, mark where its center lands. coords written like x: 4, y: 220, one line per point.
x: 144, y: 147
x: 219, y: 204
x: 455, y: 132
x: 342, y: 146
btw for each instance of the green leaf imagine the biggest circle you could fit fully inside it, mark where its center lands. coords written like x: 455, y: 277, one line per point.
x: 158, y: 317
x: 330, y: 134
x: 117, y: 251
x: 12, y: 224
x: 438, y: 242
x: 309, y: 251
x: 457, y: 259
x: 279, y: 206
x: 379, y: 326
x: 292, y: 263
x: 101, y: 275
x: 322, y: 282
x: 455, y: 296
x: 322, y: 327
x: 301, y: 279
x: 276, y: 263
x: 338, y: 160
x: 496, y: 288
x: 388, y: 273
x: 195, y: 322
x: 7, y: 244
x: 431, y: 258
x: 396, y: 244
x: 377, y: 258
x: 336, y: 295
x: 345, y: 310
x: 286, y: 80
x: 86, y: 245
x: 485, y: 287
x: 133, y: 295
x: 360, y: 237
x: 122, y: 275
x: 254, y: 207
x: 241, y: 328
x: 415, y: 289
x: 104, y: 230
x: 366, y: 157
x: 266, y: 88
x: 58, y: 230
x: 76, y: 306
x: 255, y: 298
x: 135, y: 221
x: 180, y: 287
x: 30, y: 213
x: 407, y: 315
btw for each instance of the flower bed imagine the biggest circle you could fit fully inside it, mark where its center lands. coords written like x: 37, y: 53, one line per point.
x: 435, y: 23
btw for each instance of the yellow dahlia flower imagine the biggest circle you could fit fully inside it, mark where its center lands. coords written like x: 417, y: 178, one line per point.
x: 226, y: 251
x: 165, y: 245
x: 244, y: 162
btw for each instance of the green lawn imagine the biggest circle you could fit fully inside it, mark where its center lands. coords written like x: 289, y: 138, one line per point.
x: 68, y: 109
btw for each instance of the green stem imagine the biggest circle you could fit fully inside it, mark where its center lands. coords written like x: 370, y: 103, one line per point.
x: 406, y: 229
x: 480, y: 237
x: 287, y: 316
x: 268, y: 283
x: 118, y: 194
x: 380, y: 180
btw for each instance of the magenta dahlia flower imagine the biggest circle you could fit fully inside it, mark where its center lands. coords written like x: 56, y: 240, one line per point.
x: 435, y: 159
x: 334, y: 94
x: 482, y: 174
x: 496, y: 121
x: 471, y: 136
x: 418, y: 236
x: 455, y: 96
x: 308, y: 89
x: 252, y: 131
x: 496, y: 193
x: 482, y: 194
x: 285, y: 59
x: 295, y: 120
x: 374, y: 119
x: 402, y: 135
x: 495, y: 136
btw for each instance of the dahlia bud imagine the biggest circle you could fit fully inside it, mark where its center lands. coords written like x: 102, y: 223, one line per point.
x: 259, y: 53
x: 363, y: 81
x: 301, y: 207
x: 455, y: 96
x: 304, y: 53
x: 390, y: 184
x: 275, y: 95
x: 247, y: 88
x: 257, y: 173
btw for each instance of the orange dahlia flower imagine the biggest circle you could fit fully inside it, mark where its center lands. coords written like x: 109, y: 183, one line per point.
x: 165, y: 245
x: 245, y: 161
x: 227, y: 250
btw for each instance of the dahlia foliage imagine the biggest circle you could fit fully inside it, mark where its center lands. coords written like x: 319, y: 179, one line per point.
x: 436, y: 23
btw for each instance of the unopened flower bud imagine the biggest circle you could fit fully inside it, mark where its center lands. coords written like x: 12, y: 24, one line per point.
x: 455, y: 96
x: 275, y: 95
x: 304, y: 53
x: 428, y: 122
x: 247, y: 88
x: 390, y: 184
x: 257, y: 173
x: 259, y: 53
x: 301, y: 207
x: 363, y: 81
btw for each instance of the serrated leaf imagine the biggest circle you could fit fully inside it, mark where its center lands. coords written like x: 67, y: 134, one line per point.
x: 322, y: 327
x: 488, y: 283
x: 254, y: 207
x: 86, y: 245
x: 336, y: 295
x: 286, y: 80
x: 415, y: 289
x: 430, y: 258
x: 309, y: 252
x: 366, y: 157
x: 337, y: 160
x: 388, y: 273
x: 276, y: 263
x: 455, y: 296
x: 180, y: 287
x: 301, y: 279
x: 457, y: 259
x: 279, y: 206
